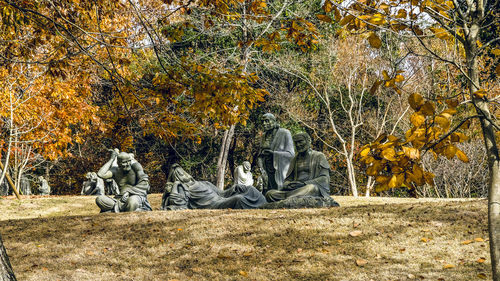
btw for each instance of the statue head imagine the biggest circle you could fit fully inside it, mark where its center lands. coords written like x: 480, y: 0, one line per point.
x: 91, y: 176
x: 246, y: 166
x: 269, y: 122
x: 302, y: 142
x: 124, y: 161
x: 177, y: 173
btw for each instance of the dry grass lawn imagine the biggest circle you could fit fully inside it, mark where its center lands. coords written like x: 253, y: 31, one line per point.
x: 64, y: 238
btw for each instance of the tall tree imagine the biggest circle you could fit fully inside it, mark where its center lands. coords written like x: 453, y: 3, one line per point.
x: 462, y: 24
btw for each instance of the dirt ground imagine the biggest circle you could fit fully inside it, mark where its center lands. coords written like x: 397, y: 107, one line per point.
x: 65, y: 238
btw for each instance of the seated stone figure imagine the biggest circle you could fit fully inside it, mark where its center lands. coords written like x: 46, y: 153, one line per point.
x: 43, y: 187
x: 242, y: 174
x: 184, y: 192
x: 93, y: 185
x: 308, y: 175
x: 131, y: 180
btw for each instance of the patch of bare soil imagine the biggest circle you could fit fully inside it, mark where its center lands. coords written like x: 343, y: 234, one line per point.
x: 364, y: 239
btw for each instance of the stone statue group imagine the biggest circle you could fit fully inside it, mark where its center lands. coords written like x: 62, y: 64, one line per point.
x: 287, y: 175
x: 41, y: 185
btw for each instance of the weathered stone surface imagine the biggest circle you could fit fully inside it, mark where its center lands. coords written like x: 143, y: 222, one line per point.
x: 25, y: 186
x: 275, y: 153
x: 243, y: 175
x: 184, y: 192
x: 43, y: 186
x: 302, y: 202
x: 4, y: 188
x: 132, y: 181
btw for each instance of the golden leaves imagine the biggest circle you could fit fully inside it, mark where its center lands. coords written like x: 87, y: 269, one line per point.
x: 479, y: 94
x: 374, y: 40
x: 416, y: 101
x: 417, y: 119
x: 324, y: 18
x: 328, y: 6
x: 461, y: 155
x: 440, y: 33
x: 411, y: 152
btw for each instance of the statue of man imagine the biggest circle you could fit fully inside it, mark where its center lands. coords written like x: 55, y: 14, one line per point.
x: 184, y: 192
x: 276, y: 152
x: 131, y: 180
x: 93, y: 185
x: 242, y: 175
x: 44, y: 187
x: 309, y: 173
x: 25, y: 186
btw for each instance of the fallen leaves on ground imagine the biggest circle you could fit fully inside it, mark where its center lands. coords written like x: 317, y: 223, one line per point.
x: 361, y: 262
x: 355, y: 233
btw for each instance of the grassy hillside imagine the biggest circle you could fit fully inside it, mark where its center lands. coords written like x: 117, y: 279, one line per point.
x: 64, y: 238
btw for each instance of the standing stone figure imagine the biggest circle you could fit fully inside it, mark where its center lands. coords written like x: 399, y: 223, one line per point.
x: 309, y: 173
x: 25, y: 186
x: 276, y: 152
x: 242, y: 174
x: 131, y: 180
x: 43, y: 186
x: 93, y: 185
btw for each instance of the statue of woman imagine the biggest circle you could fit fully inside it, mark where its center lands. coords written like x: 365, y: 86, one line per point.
x: 182, y: 191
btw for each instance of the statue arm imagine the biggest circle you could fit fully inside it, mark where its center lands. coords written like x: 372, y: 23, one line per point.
x: 105, y: 171
x: 322, y: 175
x: 84, y: 188
x: 142, y: 183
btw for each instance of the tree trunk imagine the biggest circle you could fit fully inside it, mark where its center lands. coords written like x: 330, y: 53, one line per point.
x: 482, y: 109
x: 6, y: 272
x: 9, y: 181
x: 224, y: 151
